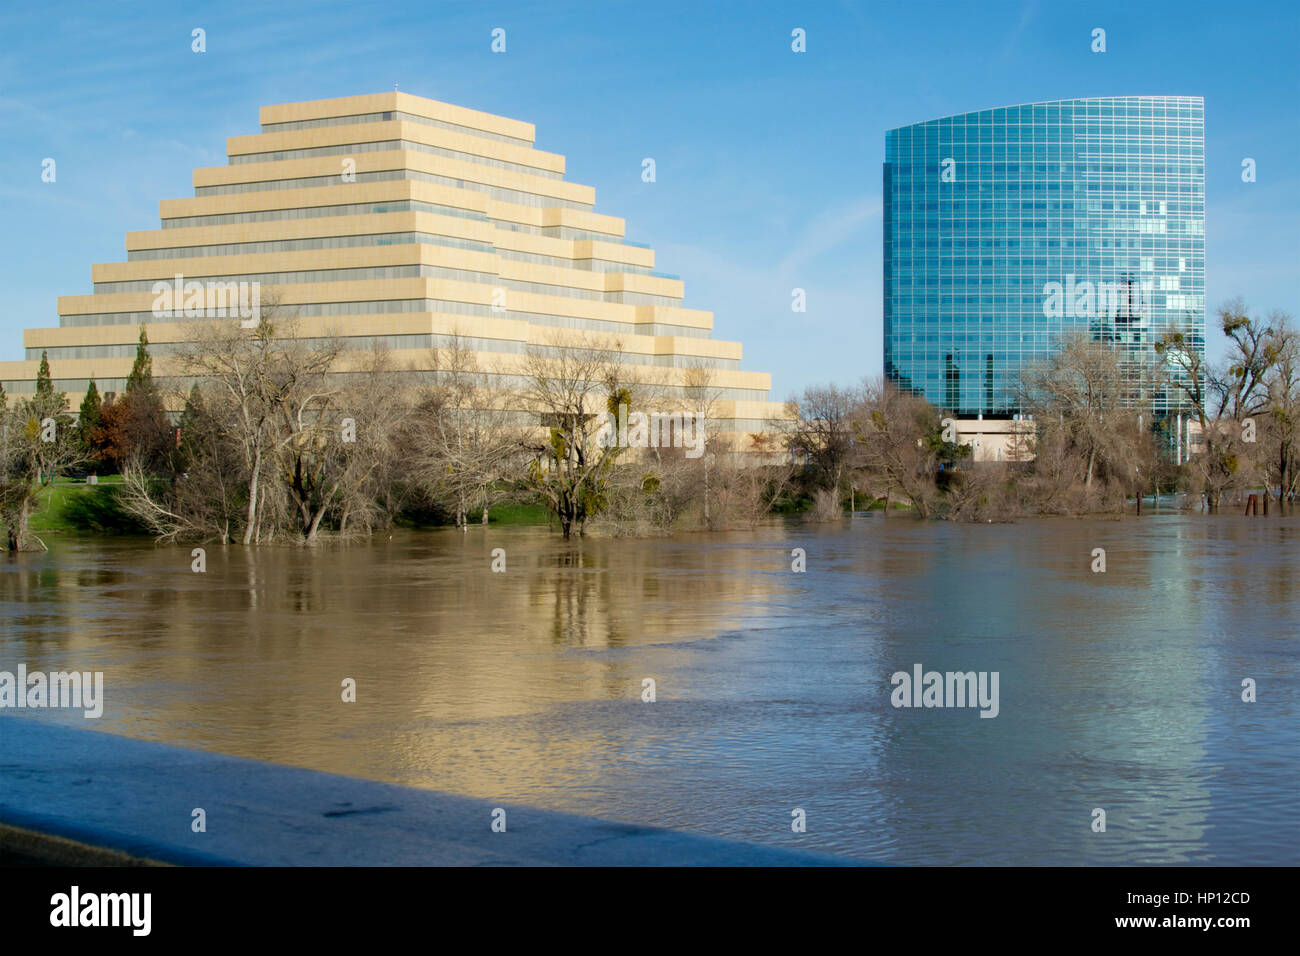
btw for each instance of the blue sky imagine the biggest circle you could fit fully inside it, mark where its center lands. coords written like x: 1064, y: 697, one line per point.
x: 768, y: 162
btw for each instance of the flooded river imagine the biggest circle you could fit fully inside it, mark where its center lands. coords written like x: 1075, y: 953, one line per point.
x: 1118, y: 690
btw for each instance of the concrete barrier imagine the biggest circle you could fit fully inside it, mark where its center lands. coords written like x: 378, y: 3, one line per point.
x: 70, y: 795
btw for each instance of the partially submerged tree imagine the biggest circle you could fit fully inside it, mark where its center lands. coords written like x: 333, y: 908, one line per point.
x: 204, y: 500
x: 702, y: 397
x: 571, y: 387
x: 819, y: 430
x: 902, y: 443
x: 465, y: 446
x: 267, y: 393
x: 1222, y: 399
x: 1282, y: 383
x: 1084, y: 397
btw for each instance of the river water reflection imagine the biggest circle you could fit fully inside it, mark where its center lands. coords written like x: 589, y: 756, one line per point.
x: 1119, y: 690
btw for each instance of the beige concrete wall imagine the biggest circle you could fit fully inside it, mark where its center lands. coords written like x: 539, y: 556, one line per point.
x: 397, y: 102
x: 372, y: 223
x: 283, y: 229
x: 402, y: 323
x: 996, y: 439
x: 370, y: 162
x: 382, y: 131
x: 340, y: 195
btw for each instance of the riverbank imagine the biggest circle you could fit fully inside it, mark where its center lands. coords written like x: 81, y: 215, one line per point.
x: 80, y: 797
x: 71, y: 506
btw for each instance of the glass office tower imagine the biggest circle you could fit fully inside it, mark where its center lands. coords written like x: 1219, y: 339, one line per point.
x: 1007, y: 227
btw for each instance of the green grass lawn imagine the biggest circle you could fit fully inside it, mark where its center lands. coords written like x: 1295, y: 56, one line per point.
x: 512, y: 512
x: 67, y: 506
x: 879, y: 505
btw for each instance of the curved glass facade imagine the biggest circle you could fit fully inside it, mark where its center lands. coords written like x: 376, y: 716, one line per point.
x: 1006, y: 227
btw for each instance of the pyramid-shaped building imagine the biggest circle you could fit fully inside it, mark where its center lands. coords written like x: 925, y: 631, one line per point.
x: 396, y: 221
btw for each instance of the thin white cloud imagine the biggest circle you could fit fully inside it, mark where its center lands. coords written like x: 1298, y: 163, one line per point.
x: 828, y: 230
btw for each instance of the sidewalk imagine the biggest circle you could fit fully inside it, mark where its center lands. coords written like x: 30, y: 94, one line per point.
x: 120, y: 800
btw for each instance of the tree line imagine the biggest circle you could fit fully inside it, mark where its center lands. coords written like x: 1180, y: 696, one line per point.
x: 1088, y: 441
x: 281, y: 437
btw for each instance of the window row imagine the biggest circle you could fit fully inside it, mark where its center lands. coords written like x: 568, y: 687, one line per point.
x: 392, y: 115
x: 322, y: 212
x: 296, y: 245
x: 392, y: 175
x: 389, y: 145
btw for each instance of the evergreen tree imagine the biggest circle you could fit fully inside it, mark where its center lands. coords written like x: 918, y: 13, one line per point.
x: 193, y: 406
x: 141, y: 376
x: 46, y: 402
x: 145, y: 435
x: 190, y: 424
x: 44, y: 384
x: 88, y: 418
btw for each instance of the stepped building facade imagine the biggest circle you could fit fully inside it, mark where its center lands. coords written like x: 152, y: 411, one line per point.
x: 395, y: 221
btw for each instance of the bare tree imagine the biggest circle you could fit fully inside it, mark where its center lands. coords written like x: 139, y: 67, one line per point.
x: 1282, y: 384
x: 702, y: 394
x: 303, y: 428
x: 352, y: 448
x: 902, y: 444
x: 466, y: 446
x: 749, y: 480
x: 239, y: 363
x: 571, y: 387
x: 203, y: 499
x: 1084, y: 391
x: 819, y: 427
x: 1221, y: 399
